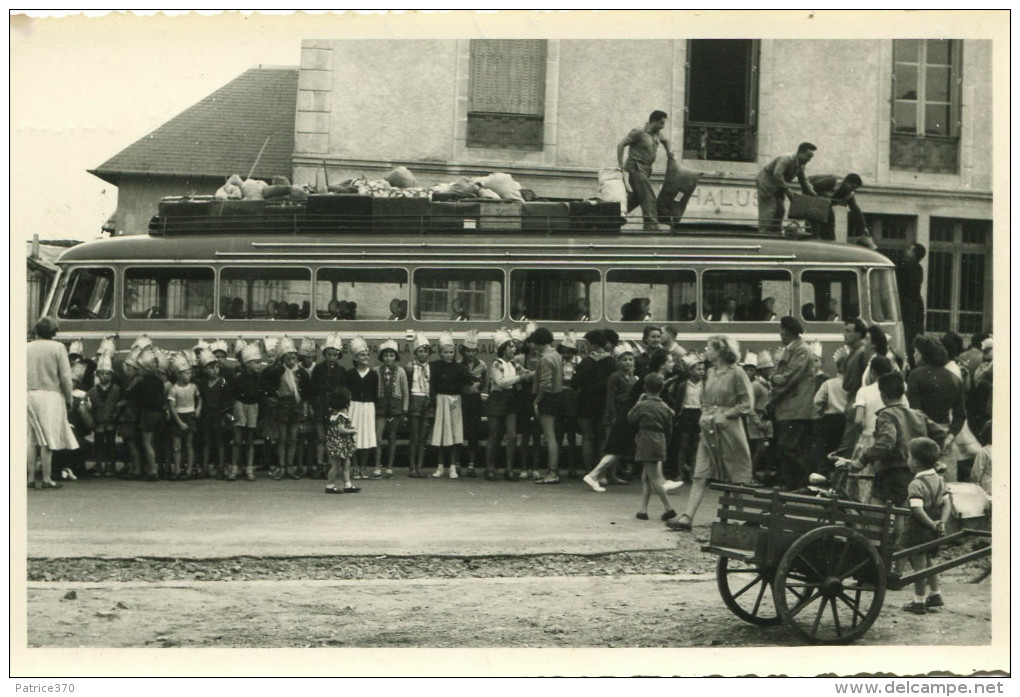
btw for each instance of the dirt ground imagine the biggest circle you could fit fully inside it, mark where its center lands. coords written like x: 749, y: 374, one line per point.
x: 404, y: 564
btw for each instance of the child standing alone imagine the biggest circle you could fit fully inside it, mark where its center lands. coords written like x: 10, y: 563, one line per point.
x: 929, y: 512
x: 340, y: 446
x: 654, y: 422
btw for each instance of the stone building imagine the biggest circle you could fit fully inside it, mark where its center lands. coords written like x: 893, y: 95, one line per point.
x: 912, y: 117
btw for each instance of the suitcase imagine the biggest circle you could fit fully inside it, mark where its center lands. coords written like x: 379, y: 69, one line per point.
x: 453, y: 216
x: 545, y: 216
x: 400, y: 214
x: 185, y: 207
x: 499, y: 215
x: 813, y: 208
x: 596, y: 216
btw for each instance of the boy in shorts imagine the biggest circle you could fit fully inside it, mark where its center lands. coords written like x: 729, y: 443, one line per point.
x: 930, y: 508
x: 247, y: 391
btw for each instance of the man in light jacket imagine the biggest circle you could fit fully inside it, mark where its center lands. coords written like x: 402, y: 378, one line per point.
x: 793, y: 392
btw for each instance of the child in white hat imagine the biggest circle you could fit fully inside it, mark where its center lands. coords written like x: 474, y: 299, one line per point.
x: 566, y: 421
x: 363, y: 384
x: 501, y: 407
x: 620, y: 444
x: 448, y: 381
x: 420, y: 413
x: 288, y: 388
x: 185, y: 405
x: 216, y: 404
x: 102, y: 401
x: 472, y: 398
x: 308, y: 351
x: 248, y: 391
x: 327, y: 376
x: 527, y: 425
x: 392, y: 402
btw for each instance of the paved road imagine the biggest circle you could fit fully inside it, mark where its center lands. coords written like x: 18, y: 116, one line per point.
x: 209, y: 519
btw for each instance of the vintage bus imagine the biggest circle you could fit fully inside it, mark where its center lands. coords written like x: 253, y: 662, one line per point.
x: 208, y: 277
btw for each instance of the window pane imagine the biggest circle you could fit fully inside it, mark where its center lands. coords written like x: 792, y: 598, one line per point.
x: 361, y: 294
x: 568, y: 295
x: 458, y: 294
x: 265, y: 293
x: 747, y: 295
x: 671, y: 295
x: 936, y: 84
x: 938, y: 52
x: 906, y: 81
x: 942, y: 229
x: 829, y: 296
x: 972, y: 282
x: 936, y: 120
x: 940, y: 280
x: 976, y: 232
x: 884, y: 295
x: 176, y: 292
x: 719, y: 80
x: 906, y: 117
x: 87, y: 294
x: 906, y: 50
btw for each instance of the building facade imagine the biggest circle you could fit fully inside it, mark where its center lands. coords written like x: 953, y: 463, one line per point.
x: 912, y: 117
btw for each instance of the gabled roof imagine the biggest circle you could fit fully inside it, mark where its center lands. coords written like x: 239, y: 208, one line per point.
x: 222, y: 134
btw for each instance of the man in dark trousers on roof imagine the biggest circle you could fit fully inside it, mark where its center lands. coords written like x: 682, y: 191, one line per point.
x: 840, y: 193
x: 643, y: 143
x: 773, y: 183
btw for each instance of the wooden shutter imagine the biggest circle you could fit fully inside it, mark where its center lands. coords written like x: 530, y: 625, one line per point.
x: 508, y: 76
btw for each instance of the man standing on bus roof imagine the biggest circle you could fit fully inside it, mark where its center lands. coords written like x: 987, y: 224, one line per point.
x: 773, y: 182
x: 642, y: 144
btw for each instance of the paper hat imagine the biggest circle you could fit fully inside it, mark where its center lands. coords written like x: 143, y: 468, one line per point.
x: 986, y: 345
x: 250, y: 352
x: 446, y: 339
x: 150, y: 358
x: 206, y: 356
x: 751, y: 359
x: 308, y: 347
x: 238, y: 346
x: 200, y: 346
x: 132, y: 358
x: 517, y: 334
x: 569, y: 341
x: 104, y: 362
x: 285, y: 346
x: 420, y: 339
x: 334, y: 341
x: 471, y: 339
x: 816, y: 347
x: 108, y: 346
x: 765, y: 359
x: 218, y: 345
x: 180, y: 362
x: 500, y: 337
x: 389, y: 345
x: 77, y: 348
x: 142, y: 342
x: 271, y: 345
x: 358, y: 345
x: 622, y: 348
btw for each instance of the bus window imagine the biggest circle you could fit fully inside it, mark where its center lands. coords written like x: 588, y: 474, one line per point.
x: 87, y: 294
x: 566, y: 295
x: 361, y: 293
x: 171, y: 292
x: 885, y: 305
x: 747, y: 295
x: 829, y: 296
x: 265, y: 293
x: 458, y: 294
x: 641, y: 295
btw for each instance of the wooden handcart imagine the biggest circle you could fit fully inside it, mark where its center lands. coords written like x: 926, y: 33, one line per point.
x: 819, y: 565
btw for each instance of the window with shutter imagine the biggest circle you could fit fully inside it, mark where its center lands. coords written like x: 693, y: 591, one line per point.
x: 959, y: 276
x: 720, y: 117
x: 507, y: 94
x: 926, y: 84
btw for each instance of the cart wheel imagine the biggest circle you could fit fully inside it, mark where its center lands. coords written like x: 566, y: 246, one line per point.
x: 746, y: 588
x: 830, y: 585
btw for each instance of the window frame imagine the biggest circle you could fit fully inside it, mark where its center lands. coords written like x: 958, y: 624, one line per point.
x: 701, y: 291
x: 208, y: 318
x: 412, y: 311
x: 891, y: 271
x: 621, y: 321
x: 601, y: 282
x: 957, y: 248
x: 800, y: 293
x: 409, y: 283
x: 61, y: 291
x: 311, y: 292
